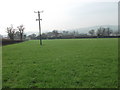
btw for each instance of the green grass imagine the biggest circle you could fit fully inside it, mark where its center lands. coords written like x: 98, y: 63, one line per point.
x: 72, y: 63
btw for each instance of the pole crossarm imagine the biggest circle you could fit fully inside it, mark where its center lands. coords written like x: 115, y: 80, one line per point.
x: 38, y: 19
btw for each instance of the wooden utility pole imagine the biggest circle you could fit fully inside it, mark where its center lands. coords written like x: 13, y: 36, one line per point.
x: 39, y: 25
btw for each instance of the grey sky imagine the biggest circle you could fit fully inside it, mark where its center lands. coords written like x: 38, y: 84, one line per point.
x: 58, y: 14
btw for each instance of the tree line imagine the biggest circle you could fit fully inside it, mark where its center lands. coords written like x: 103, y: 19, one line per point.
x: 103, y: 32
x: 18, y: 34
x: 99, y: 33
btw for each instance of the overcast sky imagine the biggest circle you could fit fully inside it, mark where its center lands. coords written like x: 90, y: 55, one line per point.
x: 58, y: 14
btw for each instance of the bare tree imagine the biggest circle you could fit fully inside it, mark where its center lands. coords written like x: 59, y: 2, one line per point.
x: 92, y: 32
x: 100, y: 31
x: 109, y: 31
x: 11, y: 32
x: 55, y: 32
x: 104, y: 31
x: 21, y: 30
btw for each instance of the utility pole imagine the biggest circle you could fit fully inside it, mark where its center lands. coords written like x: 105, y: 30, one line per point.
x: 39, y: 25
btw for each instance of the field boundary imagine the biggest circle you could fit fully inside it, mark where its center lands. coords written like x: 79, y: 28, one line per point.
x: 8, y: 41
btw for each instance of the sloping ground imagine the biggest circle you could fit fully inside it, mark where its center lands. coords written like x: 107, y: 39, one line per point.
x: 73, y: 63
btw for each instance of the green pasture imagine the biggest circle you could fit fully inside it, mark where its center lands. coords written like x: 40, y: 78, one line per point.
x: 66, y: 63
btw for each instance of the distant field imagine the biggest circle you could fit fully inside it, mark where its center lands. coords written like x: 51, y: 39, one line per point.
x: 67, y: 63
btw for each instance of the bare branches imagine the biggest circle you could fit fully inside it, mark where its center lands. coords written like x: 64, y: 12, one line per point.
x: 21, y: 30
x: 92, y: 32
x: 13, y: 32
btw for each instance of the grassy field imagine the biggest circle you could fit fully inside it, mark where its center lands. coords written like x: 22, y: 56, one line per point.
x: 72, y: 63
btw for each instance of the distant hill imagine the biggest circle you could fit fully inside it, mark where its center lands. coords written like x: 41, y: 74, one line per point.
x: 83, y: 30
x: 87, y: 29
